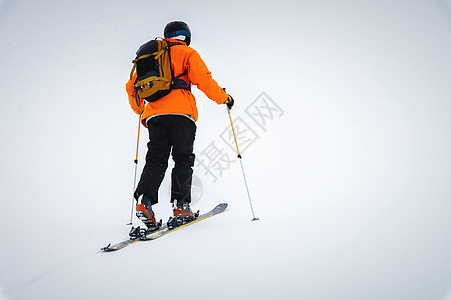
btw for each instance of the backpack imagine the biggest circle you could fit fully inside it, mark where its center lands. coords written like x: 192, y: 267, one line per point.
x: 155, y: 78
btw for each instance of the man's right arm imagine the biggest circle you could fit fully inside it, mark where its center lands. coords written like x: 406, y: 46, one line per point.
x: 201, y: 77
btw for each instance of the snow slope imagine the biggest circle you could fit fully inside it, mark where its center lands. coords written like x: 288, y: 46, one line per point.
x: 349, y: 175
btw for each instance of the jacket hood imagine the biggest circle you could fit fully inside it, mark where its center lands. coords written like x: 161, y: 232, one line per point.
x: 175, y: 41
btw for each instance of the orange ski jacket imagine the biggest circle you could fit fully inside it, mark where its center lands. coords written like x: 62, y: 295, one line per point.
x: 180, y: 101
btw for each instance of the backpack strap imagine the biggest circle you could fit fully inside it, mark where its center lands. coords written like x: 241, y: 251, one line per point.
x: 179, y: 83
x: 184, y: 73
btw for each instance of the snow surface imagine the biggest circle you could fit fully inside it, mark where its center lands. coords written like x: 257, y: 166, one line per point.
x: 351, y: 177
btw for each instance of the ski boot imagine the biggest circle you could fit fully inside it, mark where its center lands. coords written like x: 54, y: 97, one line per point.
x: 182, y: 214
x: 145, y: 213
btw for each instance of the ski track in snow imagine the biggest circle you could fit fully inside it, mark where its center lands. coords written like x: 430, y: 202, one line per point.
x: 17, y: 288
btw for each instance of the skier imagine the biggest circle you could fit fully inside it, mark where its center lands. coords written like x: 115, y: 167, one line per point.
x: 171, y: 124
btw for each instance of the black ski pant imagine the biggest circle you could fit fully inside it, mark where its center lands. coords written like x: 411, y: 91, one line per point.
x: 166, y: 133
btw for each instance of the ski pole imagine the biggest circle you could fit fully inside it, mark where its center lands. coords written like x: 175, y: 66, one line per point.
x: 136, y: 170
x: 242, y: 168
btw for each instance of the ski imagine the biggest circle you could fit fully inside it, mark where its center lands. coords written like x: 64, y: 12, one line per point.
x: 137, y: 234
x: 217, y: 210
x: 120, y: 245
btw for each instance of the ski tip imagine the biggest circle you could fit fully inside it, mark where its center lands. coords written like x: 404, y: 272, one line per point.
x: 220, y: 208
x: 106, y: 248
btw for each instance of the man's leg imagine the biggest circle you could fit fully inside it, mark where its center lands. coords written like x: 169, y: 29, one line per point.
x: 183, y: 132
x: 158, y: 151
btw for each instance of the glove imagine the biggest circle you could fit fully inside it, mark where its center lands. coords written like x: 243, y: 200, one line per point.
x: 229, y: 102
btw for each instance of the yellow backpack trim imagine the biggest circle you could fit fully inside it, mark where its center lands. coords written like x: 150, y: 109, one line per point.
x: 151, y: 85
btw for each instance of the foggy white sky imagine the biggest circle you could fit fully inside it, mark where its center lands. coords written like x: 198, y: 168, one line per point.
x: 357, y: 168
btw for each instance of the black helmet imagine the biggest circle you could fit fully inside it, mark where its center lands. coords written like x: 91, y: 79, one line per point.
x: 176, y: 28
